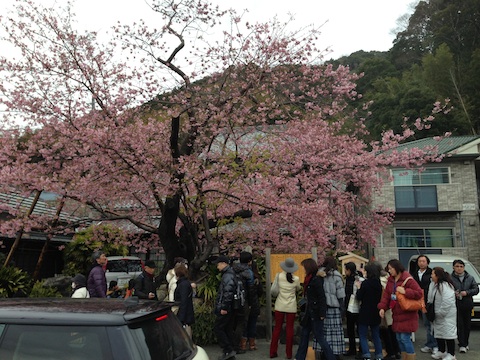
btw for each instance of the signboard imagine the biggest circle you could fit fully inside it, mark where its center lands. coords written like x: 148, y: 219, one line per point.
x: 469, y: 206
x: 276, y: 259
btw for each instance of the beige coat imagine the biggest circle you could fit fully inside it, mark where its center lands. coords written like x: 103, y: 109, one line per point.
x: 287, y: 293
x: 172, y: 284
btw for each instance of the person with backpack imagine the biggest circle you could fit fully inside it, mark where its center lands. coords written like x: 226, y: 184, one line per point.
x: 254, y: 291
x: 247, y: 280
x: 145, y: 287
x: 224, y: 322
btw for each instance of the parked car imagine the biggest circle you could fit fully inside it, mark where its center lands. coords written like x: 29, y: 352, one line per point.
x: 122, y: 269
x: 446, y: 262
x: 94, y: 329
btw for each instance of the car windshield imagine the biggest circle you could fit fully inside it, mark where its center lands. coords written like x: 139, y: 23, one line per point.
x: 164, y: 339
x: 124, y: 265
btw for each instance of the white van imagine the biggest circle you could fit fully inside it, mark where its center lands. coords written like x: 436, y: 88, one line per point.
x: 446, y: 262
x: 122, y: 269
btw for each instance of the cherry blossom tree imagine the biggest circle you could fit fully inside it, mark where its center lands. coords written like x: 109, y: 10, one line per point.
x: 206, y: 132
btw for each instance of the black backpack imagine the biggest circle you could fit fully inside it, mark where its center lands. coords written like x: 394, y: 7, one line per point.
x: 239, y: 296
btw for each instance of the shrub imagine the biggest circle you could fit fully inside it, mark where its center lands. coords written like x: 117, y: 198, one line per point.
x: 39, y: 290
x: 209, y: 286
x: 77, y: 254
x: 14, y: 282
x: 202, y: 329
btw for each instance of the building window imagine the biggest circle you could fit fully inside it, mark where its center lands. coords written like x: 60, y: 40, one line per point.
x: 416, y: 199
x: 424, y: 237
x: 429, y: 176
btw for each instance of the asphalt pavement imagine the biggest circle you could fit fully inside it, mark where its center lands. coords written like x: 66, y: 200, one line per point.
x: 263, y: 345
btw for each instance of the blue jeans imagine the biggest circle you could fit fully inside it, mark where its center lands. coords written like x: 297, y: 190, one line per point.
x: 405, y: 342
x: 363, y: 334
x: 317, y: 327
x: 431, y: 342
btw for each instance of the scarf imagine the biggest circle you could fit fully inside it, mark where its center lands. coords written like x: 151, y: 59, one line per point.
x: 306, y: 282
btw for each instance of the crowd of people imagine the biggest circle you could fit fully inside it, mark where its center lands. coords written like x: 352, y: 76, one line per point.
x: 367, y: 299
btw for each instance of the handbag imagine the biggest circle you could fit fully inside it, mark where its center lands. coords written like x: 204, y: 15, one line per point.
x: 275, y: 289
x: 431, y: 309
x: 353, y: 305
x: 407, y: 304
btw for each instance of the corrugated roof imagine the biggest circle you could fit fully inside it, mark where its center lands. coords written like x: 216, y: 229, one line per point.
x: 42, y: 208
x: 445, y: 145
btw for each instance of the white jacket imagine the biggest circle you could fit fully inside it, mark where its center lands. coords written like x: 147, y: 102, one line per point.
x: 172, y: 284
x: 81, y: 293
x: 445, y: 323
x: 287, y: 298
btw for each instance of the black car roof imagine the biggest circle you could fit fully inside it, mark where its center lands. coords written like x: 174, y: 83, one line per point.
x: 67, y: 311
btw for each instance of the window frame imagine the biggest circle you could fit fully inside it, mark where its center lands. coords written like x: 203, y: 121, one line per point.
x: 427, y: 243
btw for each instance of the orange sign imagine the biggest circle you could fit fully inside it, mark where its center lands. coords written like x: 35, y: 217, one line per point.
x: 276, y: 259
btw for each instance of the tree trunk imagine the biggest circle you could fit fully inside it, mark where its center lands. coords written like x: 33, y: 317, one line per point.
x: 38, y: 267
x: 20, y: 232
x: 166, y: 230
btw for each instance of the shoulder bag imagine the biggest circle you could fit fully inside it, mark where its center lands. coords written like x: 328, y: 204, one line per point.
x: 275, y: 289
x: 410, y: 304
x: 431, y: 309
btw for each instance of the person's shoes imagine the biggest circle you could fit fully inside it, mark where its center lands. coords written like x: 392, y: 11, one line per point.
x: 439, y: 355
x: 350, y: 352
x: 449, y: 357
x: 273, y: 355
x: 463, y: 349
x: 426, y: 349
x: 228, y: 355
x: 434, y: 350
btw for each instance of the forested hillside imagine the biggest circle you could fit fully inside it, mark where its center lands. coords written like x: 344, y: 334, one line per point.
x: 436, y: 57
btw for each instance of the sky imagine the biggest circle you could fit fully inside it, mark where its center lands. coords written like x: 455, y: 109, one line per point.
x: 348, y: 25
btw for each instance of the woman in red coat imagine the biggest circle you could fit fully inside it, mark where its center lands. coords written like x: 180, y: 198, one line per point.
x: 404, y: 322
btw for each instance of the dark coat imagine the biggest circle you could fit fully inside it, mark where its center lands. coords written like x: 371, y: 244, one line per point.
x: 369, y: 294
x: 184, y: 295
x: 145, y: 284
x: 403, y: 321
x: 469, y: 285
x: 349, y: 281
x: 97, y: 282
x: 251, y: 288
x: 425, y: 282
x: 316, y: 299
x: 226, y: 290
